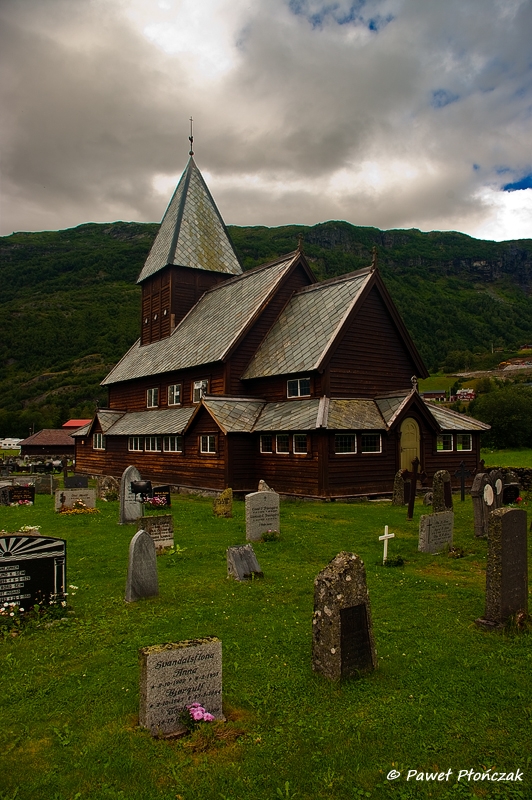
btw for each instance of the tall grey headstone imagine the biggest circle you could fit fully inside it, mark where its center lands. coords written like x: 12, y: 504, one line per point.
x: 507, y: 567
x: 342, y: 635
x: 435, y: 531
x: 442, y: 497
x: 173, y: 676
x: 142, y: 579
x: 242, y: 564
x: 130, y: 508
x: 401, y: 489
x: 262, y: 514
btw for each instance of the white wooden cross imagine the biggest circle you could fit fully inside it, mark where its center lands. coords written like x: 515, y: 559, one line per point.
x: 385, y: 540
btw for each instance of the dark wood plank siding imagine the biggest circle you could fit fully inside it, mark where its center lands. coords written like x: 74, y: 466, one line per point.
x: 187, y: 286
x: 371, y: 358
x: 275, y: 389
x: 131, y: 395
x: 291, y: 473
x: 245, y: 351
x: 451, y: 460
x: 362, y: 473
x: 241, y: 457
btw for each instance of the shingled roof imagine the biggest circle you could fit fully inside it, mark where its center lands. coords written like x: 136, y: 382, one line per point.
x: 211, y: 327
x: 192, y: 232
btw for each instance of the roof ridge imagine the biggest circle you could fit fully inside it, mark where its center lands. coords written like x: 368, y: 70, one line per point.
x: 252, y: 271
x: 337, y: 279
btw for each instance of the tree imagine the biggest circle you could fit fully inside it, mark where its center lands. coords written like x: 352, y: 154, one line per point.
x: 509, y: 412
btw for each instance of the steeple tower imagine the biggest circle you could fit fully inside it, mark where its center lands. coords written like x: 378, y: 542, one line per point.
x: 191, y: 252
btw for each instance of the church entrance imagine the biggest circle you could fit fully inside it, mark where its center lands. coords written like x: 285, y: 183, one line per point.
x: 409, y: 442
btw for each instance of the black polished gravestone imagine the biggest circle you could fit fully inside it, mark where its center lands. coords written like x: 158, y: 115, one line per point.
x: 77, y: 482
x: 32, y: 569
x: 164, y: 493
x: 10, y: 495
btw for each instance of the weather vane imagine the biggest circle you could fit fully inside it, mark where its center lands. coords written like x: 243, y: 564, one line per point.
x: 191, y: 138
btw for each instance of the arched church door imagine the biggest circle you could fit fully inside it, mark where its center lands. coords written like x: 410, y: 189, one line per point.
x: 409, y: 442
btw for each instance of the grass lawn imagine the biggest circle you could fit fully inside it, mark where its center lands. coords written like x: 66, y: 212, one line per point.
x: 446, y: 695
x: 507, y: 458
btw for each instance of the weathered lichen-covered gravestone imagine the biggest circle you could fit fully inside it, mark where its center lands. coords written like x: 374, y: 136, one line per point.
x: 442, y: 496
x: 142, y: 579
x: 342, y: 642
x: 263, y: 487
x: 173, y: 676
x: 242, y: 564
x: 161, y: 529
x: 262, y: 514
x: 67, y: 498
x: 435, y: 531
x: 223, y: 505
x: 131, y: 509
x: 507, y: 568
x: 107, y: 485
x: 481, y: 509
x: 401, y: 489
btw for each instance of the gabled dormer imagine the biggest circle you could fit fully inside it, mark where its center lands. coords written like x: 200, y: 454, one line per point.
x: 191, y: 253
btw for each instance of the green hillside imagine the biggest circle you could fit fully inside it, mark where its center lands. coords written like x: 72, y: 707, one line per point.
x: 69, y: 304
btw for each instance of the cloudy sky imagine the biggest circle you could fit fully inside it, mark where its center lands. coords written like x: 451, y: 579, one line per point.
x: 391, y: 113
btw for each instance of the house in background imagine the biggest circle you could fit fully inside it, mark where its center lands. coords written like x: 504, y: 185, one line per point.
x: 266, y: 374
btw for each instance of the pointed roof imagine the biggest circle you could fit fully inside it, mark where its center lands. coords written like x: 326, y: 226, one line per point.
x: 192, y: 232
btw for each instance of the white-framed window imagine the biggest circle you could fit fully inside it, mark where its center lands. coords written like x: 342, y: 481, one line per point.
x: 152, y: 397
x: 152, y: 444
x: 208, y: 443
x: 298, y: 387
x: 464, y: 441
x: 345, y: 443
x: 98, y: 441
x: 135, y: 443
x: 174, y: 394
x: 444, y: 442
x: 266, y: 443
x: 173, y: 444
x: 282, y: 443
x: 199, y: 389
x: 370, y: 443
x: 299, y: 443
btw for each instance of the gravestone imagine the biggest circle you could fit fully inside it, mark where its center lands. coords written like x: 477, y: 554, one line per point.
x: 262, y: 514
x: 108, y: 485
x: 507, y: 568
x: 242, y: 564
x: 130, y: 508
x: 510, y: 493
x: 173, y: 676
x: 481, y: 509
x: 342, y: 634
x: 162, y: 492
x: 160, y: 528
x: 496, y: 480
x: 401, y: 489
x: 142, y: 579
x: 263, y: 487
x: 223, y: 505
x: 77, y: 482
x: 442, y: 496
x: 17, y: 495
x: 44, y: 484
x: 435, y: 531
x: 428, y: 498
x: 67, y: 498
x: 32, y: 569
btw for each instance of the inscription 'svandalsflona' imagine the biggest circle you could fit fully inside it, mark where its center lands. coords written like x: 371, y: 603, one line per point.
x: 184, y: 660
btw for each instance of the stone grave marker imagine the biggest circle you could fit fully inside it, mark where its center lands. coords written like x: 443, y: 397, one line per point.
x: 161, y: 529
x: 342, y: 642
x: 77, y: 482
x: 442, y: 499
x: 67, y: 498
x: 44, y: 484
x: 242, y: 564
x: 130, y: 508
x: 510, y: 493
x: 435, y: 531
x: 17, y: 495
x: 142, y: 579
x: 32, y: 569
x: 496, y: 480
x: 163, y: 493
x: 223, y: 505
x: 107, y: 485
x: 175, y: 675
x: 507, y: 568
x: 480, y: 507
x: 263, y: 487
x: 262, y: 514
x: 401, y: 489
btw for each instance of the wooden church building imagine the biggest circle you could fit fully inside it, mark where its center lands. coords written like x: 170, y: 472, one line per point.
x: 266, y: 374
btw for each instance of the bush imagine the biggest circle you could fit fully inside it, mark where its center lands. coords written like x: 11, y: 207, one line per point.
x: 509, y: 412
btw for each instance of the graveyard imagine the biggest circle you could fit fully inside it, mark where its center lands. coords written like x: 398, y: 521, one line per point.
x: 447, y: 702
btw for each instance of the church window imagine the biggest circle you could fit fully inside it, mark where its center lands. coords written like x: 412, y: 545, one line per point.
x: 208, y: 443
x: 444, y: 442
x: 173, y: 444
x: 345, y: 443
x: 152, y: 444
x: 282, y: 443
x: 135, y: 443
x: 199, y: 389
x: 463, y: 441
x: 299, y: 443
x: 298, y: 387
x: 266, y: 443
x: 371, y: 443
x: 98, y: 441
x: 174, y: 394
x: 152, y: 398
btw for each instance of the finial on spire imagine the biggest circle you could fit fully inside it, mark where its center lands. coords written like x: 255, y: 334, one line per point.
x: 299, y: 242
x: 374, y: 258
x: 191, y: 138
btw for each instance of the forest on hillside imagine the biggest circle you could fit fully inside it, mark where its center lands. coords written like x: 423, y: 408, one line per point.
x: 69, y: 307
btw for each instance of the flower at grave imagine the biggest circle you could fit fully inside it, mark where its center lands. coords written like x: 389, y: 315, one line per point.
x: 27, y: 528
x: 156, y: 502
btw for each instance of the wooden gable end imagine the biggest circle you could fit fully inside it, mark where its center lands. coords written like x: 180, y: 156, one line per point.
x: 373, y: 353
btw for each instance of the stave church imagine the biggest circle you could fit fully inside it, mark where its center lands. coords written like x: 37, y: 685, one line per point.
x: 266, y: 374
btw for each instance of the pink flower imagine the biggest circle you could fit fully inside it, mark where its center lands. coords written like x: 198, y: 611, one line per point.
x: 208, y: 717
